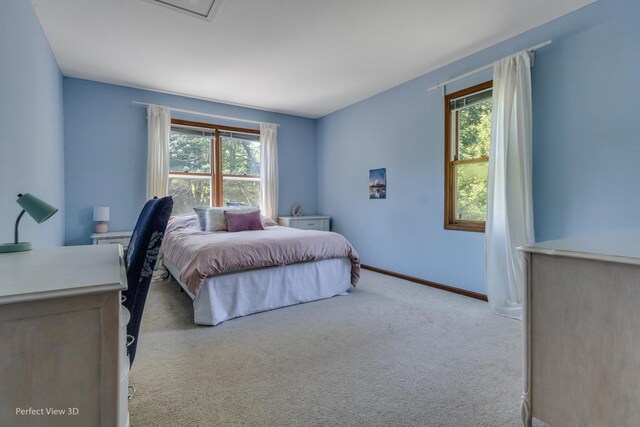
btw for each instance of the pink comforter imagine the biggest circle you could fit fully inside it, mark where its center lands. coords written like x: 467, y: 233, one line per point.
x: 200, y: 254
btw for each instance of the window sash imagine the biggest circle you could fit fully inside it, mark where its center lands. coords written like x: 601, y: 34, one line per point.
x: 238, y: 144
x: 179, y: 205
x: 242, y: 177
x: 474, y: 160
x: 240, y: 135
x: 249, y: 194
x: 215, y: 133
x: 193, y: 174
x: 193, y: 131
x: 469, y: 210
x: 474, y: 98
x: 453, y: 104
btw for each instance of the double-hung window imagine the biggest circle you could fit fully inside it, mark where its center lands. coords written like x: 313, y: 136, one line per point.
x: 211, y: 165
x: 467, y: 136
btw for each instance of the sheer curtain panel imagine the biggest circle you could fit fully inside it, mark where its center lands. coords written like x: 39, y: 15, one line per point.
x: 269, y: 169
x: 509, y: 189
x: 158, y: 129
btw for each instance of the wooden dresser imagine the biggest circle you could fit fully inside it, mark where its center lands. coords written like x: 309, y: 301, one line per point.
x: 581, y: 319
x: 63, y: 358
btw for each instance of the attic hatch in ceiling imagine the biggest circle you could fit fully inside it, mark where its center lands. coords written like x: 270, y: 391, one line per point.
x: 204, y: 9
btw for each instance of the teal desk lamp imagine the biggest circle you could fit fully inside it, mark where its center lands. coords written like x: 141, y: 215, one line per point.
x: 37, y: 209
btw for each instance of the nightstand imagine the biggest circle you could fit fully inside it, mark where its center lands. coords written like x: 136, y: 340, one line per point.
x: 112, y: 238
x: 307, y: 222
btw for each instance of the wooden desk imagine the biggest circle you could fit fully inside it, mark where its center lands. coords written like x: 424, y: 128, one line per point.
x: 62, y: 339
x: 581, y: 320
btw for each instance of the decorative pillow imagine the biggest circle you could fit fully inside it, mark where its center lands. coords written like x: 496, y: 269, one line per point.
x: 243, y: 221
x: 215, y: 220
x: 241, y: 208
x: 267, y: 222
x: 201, y: 211
x: 214, y: 217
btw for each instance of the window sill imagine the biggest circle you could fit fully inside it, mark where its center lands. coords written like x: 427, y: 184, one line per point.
x: 465, y: 226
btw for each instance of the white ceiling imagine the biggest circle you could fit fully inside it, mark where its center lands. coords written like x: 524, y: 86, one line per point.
x: 302, y: 57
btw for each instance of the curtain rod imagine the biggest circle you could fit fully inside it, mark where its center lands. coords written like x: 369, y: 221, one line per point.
x: 486, y: 67
x: 216, y: 116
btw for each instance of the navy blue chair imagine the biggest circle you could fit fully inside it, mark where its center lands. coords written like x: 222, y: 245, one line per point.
x: 140, y: 261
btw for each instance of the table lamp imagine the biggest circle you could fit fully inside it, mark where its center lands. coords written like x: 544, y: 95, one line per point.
x: 101, y: 216
x: 37, y: 209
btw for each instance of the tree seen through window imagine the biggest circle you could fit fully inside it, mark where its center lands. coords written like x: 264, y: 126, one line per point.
x: 467, y: 138
x: 194, y: 175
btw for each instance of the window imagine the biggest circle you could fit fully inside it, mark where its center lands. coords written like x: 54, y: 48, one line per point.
x: 467, y: 136
x: 212, y: 165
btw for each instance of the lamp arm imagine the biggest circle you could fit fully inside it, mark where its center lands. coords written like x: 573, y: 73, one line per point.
x: 15, y: 234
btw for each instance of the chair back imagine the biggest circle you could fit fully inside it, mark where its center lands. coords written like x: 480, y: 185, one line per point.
x: 140, y: 261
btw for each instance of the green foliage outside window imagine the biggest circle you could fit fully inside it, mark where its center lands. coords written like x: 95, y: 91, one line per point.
x: 474, y: 138
x: 188, y: 193
x: 189, y: 153
x: 192, y: 153
x: 240, y: 157
x: 240, y: 192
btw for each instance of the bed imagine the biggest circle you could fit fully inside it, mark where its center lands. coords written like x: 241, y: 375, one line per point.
x: 233, y: 274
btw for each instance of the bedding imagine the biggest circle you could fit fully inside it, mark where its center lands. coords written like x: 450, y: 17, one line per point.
x: 227, y: 296
x: 199, y: 254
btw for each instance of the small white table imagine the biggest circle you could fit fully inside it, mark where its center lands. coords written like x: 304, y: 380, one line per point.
x: 306, y: 222
x: 112, y: 238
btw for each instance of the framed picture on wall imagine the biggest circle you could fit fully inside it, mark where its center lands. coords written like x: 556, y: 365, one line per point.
x: 378, y: 183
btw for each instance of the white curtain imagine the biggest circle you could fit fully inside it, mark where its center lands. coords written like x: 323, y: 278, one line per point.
x: 158, y: 128
x: 509, y: 189
x: 269, y: 169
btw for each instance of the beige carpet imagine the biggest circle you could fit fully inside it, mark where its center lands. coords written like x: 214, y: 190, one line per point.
x: 393, y: 353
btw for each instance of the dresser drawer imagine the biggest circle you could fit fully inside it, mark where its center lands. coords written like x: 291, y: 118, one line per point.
x: 319, y: 223
x: 308, y: 224
x: 112, y: 238
x: 123, y: 241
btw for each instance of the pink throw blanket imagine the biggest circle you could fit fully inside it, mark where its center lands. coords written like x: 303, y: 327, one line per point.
x: 200, y: 254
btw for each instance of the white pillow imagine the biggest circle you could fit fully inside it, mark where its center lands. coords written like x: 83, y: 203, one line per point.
x: 215, y: 220
x: 267, y: 222
x: 215, y: 216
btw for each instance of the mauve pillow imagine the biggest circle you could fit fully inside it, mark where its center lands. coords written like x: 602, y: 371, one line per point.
x: 243, y: 221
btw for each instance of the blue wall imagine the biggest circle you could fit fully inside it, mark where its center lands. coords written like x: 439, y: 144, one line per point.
x: 586, y: 145
x: 586, y: 149
x: 106, y: 152
x: 31, y: 146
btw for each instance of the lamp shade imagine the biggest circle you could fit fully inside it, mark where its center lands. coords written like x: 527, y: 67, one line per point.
x: 37, y: 209
x: 101, y: 213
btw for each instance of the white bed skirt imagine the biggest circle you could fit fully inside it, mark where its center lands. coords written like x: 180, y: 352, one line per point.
x: 226, y: 296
